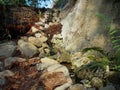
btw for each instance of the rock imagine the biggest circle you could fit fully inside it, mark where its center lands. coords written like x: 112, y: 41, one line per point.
x: 18, y: 21
x: 83, y: 32
x: 76, y: 87
x: 97, y: 82
x: 6, y: 73
x: 7, y: 49
x: 76, y: 55
x: 53, y: 79
x: 10, y: 60
x: 58, y: 68
x: 86, y: 83
x: 27, y: 49
x: 25, y: 38
x: 57, y: 39
x: 47, y: 50
x: 63, y: 56
x: 81, y: 61
x: 44, y: 45
x: 51, y: 65
x: 35, y: 41
x: 39, y: 23
x: 45, y: 62
x: 38, y: 35
x: 41, y: 37
x: 61, y: 68
x: 44, y: 52
x: 42, y: 20
x: 1, y: 66
x: 8, y: 43
x: 34, y: 29
x: 108, y: 87
x: 91, y: 89
x: 2, y: 81
x: 46, y: 26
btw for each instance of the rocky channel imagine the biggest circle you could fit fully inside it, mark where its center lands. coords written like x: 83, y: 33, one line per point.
x: 39, y: 61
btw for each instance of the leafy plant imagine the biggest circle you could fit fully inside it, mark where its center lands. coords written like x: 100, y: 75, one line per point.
x: 100, y: 62
x: 94, y: 48
x: 115, y: 37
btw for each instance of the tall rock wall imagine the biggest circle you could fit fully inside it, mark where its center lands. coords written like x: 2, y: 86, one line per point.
x: 87, y: 25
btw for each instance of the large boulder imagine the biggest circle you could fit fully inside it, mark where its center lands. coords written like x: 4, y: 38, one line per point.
x: 7, y: 49
x: 17, y: 20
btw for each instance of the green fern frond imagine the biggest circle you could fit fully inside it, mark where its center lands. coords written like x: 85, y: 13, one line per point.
x: 112, y: 32
x: 94, y: 48
x: 116, y: 41
x: 116, y: 47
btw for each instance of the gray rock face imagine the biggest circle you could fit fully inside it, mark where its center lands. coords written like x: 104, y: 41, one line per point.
x: 6, y: 73
x: 2, y: 81
x: 76, y: 87
x: 10, y: 60
x: 108, y: 87
x: 84, y: 28
x: 27, y: 49
x: 7, y: 49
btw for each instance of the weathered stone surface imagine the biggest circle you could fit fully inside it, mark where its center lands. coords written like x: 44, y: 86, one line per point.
x: 53, y: 79
x: 108, y: 87
x: 2, y: 81
x: 51, y: 65
x: 81, y: 61
x: 85, y: 29
x: 34, y: 29
x: 27, y: 49
x: 41, y: 37
x: 76, y: 87
x: 1, y: 66
x: 57, y: 39
x: 7, y: 49
x: 10, y: 60
x: 17, y: 20
x: 35, y: 41
x: 26, y: 75
x: 91, y: 89
x: 45, y: 62
x: 58, y: 68
x: 6, y: 73
x: 97, y: 82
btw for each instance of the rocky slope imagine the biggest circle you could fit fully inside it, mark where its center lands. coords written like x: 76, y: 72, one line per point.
x: 39, y: 61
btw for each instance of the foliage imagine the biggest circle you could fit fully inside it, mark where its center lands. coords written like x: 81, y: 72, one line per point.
x: 13, y: 2
x: 94, y: 48
x: 115, y: 37
x: 33, y: 3
x: 105, y: 20
x: 96, y: 63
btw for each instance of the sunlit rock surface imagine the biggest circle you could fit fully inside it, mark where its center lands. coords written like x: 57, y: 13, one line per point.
x: 82, y: 26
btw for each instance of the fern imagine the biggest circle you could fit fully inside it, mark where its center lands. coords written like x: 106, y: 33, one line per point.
x: 94, y: 48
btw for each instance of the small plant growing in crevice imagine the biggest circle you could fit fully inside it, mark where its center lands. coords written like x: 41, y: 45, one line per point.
x: 115, y: 38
